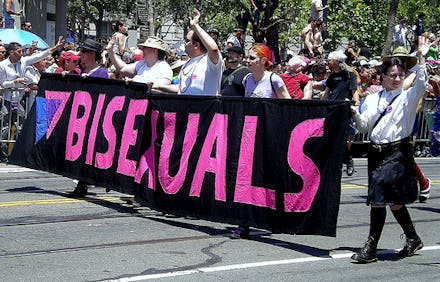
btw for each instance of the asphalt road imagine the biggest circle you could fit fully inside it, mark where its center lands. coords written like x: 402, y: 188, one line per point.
x: 45, y: 236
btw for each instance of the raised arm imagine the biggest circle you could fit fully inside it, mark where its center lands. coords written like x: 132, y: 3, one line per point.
x: 121, y: 66
x: 207, y: 40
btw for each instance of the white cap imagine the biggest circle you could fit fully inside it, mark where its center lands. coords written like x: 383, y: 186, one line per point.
x: 296, y: 62
x: 363, y: 63
x: 337, y: 55
x: 374, y: 63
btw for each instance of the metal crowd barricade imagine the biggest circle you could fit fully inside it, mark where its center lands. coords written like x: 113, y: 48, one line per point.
x: 424, y: 126
x: 13, y: 112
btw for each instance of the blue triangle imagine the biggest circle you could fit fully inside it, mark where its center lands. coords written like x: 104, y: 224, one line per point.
x: 45, y: 111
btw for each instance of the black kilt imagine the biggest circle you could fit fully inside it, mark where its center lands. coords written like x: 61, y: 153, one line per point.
x: 391, y: 174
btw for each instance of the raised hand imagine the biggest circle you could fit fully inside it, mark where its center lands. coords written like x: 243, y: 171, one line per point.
x: 59, y: 44
x: 111, y: 43
x: 195, y: 19
x: 424, y: 45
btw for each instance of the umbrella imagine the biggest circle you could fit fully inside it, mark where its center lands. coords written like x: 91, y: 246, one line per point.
x: 23, y: 37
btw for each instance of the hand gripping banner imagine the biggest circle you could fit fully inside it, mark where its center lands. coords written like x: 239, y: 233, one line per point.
x: 268, y: 163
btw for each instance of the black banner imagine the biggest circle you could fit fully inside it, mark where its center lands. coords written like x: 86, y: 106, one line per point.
x: 267, y: 163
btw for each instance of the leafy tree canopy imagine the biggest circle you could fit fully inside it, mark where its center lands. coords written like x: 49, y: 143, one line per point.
x: 361, y: 20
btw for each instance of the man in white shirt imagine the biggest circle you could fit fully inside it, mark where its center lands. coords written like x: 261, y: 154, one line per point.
x: 12, y: 69
x: 202, y: 74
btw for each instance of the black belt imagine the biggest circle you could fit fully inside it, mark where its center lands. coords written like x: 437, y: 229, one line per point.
x: 382, y: 147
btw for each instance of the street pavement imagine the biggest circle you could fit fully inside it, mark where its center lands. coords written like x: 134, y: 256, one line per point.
x: 46, y: 236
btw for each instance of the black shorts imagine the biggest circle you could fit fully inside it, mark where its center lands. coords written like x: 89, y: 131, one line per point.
x: 391, y: 175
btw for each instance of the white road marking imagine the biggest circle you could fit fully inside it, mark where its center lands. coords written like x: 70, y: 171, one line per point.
x: 250, y: 265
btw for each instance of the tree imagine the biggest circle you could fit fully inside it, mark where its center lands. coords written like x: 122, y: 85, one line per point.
x: 280, y: 25
x: 83, y: 12
x: 390, y: 24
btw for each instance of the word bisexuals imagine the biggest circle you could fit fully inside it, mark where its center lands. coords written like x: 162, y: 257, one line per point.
x: 205, y: 146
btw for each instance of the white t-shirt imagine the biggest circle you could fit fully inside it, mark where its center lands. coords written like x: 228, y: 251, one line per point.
x: 265, y: 88
x: 145, y: 74
x: 200, y: 76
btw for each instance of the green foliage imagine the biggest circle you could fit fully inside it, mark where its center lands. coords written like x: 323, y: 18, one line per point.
x: 361, y: 20
x: 82, y: 12
x: 354, y: 19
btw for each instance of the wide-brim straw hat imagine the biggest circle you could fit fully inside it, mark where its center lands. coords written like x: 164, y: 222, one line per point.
x: 154, y: 42
x: 177, y: 63
x: 402, y: 52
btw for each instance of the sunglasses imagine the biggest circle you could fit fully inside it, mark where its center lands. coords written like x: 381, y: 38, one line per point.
x: 251, y: 58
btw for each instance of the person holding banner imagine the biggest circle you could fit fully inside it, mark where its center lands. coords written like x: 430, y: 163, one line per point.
x: 202, y: 74
x: 90, y: 56
x: 262, y: 83
x: 388, y: 117
x: 152, y: 69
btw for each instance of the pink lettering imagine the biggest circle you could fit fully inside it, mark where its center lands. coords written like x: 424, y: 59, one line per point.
x: 77, y: 125
x: 129, y: 137
x: 104, y: 160
x: 146, y: 162
x: 216, y: 134
x: 303, y: 166
x: 171, y: 185
x: 94, y: 129
x: 245, y: 192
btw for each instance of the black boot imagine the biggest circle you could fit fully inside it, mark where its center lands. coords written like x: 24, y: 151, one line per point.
x: 80, y: 190
x: 412, y: 245
x: 367, y: 253
x: 413, y: 242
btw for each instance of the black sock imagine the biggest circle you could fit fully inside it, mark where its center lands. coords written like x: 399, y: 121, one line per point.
x: 403, y: 218
x: 377, y: 221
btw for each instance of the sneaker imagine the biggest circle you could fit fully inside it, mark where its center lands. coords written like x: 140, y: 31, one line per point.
x: 424, y: 194
x: 350, y: 167
x: 412, y: 245
x: 242, y: 232
x: 367, y: 253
